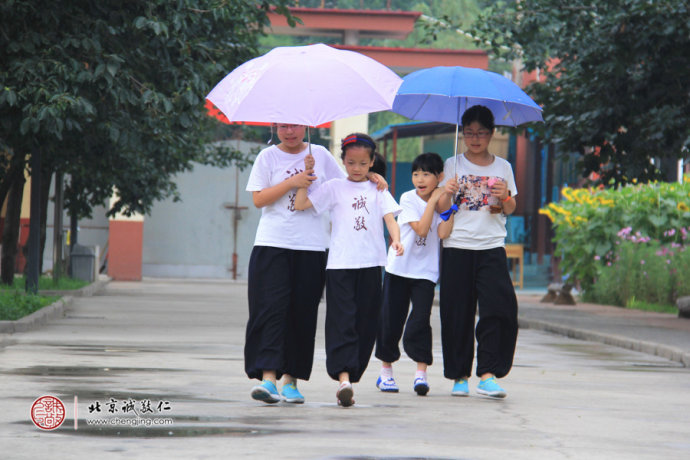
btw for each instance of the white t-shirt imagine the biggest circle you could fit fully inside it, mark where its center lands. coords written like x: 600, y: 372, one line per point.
x: 282, y: 226
x: 357, y: 211
x: 420, y: 259
x: 474, y: 226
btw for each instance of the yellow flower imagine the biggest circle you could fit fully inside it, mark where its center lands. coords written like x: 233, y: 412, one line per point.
x: 559, y: 209
x: 547, y: 213
x: 682, y: 207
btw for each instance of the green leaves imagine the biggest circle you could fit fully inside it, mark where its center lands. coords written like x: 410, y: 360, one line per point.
x: 113, y: 91
x: 588, y: 223
x: 617, y: 74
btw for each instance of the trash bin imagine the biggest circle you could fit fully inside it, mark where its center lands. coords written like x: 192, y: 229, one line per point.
x: 82, y: 262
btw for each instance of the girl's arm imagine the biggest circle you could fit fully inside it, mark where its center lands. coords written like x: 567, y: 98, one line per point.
x: 500, y: 191
x: 302, y: 201
x: 394, y: 232
x: 449, y: 191
x: 270, y: 195
x: 422, y: 226
x: 445, y: 227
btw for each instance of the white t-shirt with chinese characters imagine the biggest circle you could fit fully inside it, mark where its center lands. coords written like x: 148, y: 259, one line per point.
x: 474, y: 226
x: 357, y: 211
x: 420, y: 259
x: 281, y: 225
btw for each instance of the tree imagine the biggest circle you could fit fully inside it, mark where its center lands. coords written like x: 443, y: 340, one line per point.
x: 111, y: 93
x: 616, y: 77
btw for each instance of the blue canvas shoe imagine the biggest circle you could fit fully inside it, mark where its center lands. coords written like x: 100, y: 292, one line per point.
x: 490, y: 388
x: 266, y: 392
x: 387, y: 385
x: 460, y: 388
x: 421, y: 386
x: 291, y: 394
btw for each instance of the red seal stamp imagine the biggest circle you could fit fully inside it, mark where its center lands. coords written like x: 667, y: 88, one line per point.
x: 48, y: 412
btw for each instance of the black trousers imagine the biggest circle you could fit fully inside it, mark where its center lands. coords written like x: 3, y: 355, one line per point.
x: 353, y: 298
x: 398, y: 291
x: 285, y: 288
x: 469, y: 277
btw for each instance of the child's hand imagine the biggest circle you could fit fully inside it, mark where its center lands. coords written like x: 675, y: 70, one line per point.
x: 397, y: 245
x: 499, y: 188
x: 436, y: 194
x: 378, y: 179
x: 309, y: 162
x: 303, y: 179
x: 452, y: 187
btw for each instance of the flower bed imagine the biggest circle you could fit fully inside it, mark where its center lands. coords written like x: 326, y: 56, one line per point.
x: 625, y: 245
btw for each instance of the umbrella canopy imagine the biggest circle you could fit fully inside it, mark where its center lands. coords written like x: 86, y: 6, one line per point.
x: 444, y: 93
x: 306, y: 85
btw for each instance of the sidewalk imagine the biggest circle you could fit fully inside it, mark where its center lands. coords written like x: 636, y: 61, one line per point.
x: 175, y: 347
x: 660, y: 334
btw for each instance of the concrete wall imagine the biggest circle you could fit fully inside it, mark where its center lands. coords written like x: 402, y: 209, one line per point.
x: 194, y: 238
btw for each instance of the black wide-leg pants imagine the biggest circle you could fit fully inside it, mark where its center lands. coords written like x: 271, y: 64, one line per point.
x: 468, y: 278
x: 398, y: 292
x: 285, y: 288
x: 353, y: 299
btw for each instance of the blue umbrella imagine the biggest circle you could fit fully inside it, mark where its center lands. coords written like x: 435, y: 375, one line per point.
x: 444, y: 93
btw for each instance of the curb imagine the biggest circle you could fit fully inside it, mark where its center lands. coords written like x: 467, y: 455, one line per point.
x: 670, y: 353
x: 52, y: 311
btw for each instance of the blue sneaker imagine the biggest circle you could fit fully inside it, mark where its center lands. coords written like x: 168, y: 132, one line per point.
x: 387, y: 385
x: 266, y: 392
x: 291, y: 394
x: 460, y: 388
x: 421, y: 386
x: 490, y: 388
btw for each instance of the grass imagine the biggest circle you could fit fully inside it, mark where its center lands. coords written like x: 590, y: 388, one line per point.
x: 15, y: 303
x: 647, y: 306
x: 46, y: 283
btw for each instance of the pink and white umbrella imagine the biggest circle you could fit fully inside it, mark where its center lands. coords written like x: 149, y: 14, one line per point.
x: 305, y: 85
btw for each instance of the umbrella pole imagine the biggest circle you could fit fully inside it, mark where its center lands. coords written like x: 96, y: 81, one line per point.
x: 309, y: 139
x: 455, y: 150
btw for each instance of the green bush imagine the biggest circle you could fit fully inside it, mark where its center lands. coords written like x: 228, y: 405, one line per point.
x: 625, y: 244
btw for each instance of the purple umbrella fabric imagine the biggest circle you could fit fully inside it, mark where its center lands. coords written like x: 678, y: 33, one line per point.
x: 306, y: 85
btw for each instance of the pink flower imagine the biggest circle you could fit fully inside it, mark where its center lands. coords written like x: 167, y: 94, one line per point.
x: 597, y: 257
x: 625, y: 231
x: 642, y: 262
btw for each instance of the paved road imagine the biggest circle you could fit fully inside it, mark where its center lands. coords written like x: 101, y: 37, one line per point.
x: 178, y: 346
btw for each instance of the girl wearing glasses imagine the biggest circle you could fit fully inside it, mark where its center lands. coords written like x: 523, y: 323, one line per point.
x: 474, y: 269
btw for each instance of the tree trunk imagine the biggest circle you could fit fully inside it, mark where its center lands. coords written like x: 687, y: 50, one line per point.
x: 17, y: 164
x: 10, y: 232
x: 45, y: 197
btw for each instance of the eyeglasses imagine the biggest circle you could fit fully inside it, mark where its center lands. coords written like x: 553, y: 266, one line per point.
x: 478, y: 134
x: 287, y: 126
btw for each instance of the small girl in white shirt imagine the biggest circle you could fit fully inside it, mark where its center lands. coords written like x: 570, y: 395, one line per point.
x: 413, y: 277
x: 357, y: 253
